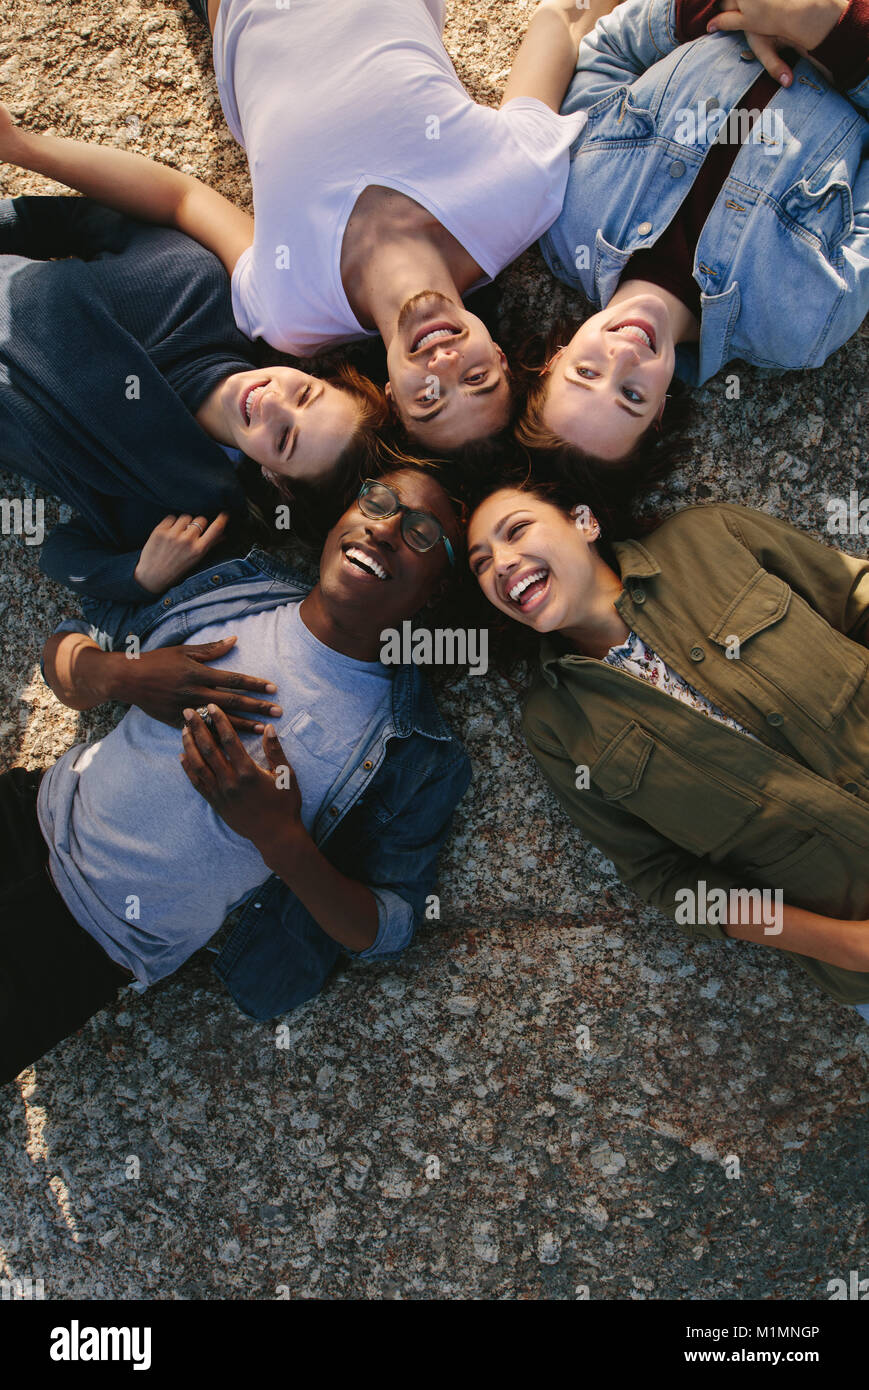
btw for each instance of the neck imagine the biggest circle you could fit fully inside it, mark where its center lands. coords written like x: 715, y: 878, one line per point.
x: 684, y: 326
x: 211, y: 415
x: 598, y: 627
x: 339, y: 631
x: 398, y: 255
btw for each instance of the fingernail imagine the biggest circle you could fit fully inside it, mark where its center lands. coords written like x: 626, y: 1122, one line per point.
x: 271, y: 688
x: 188, y: 714
x: 259, y: 728
x: 785, y: 79
x: 276, y: 710
x: 712, y: 27
x: 212, y: 709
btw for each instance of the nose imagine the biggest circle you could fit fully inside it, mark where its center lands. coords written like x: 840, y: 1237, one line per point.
x: 273, y: 407
x: 623, y: 352
x: 442, y: 355
x: 504, y: 558
x: 385, y: 530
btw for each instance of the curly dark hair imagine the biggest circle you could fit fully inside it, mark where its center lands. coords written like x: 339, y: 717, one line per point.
x: 514, y: 646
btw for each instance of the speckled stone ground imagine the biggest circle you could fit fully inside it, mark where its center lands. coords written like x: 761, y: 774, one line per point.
x: 553, y: 1094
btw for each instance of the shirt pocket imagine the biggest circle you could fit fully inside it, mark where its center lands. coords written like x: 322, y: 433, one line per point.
x: 811, y: 665
x: 316, y: 740
x: 675, y: 795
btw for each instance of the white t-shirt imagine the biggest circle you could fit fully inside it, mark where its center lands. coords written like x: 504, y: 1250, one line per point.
x: 330, y: 96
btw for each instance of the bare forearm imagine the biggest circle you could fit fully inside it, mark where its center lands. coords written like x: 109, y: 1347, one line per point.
x: 137, y: 186
x: 838, y: 942
x: 129, y: 182
x: 343, y: 907
x: 546, y: 60
x: 79, y: 672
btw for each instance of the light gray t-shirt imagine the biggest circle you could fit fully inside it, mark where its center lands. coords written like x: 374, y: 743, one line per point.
x: 139, y: 857
x: 328, y: 99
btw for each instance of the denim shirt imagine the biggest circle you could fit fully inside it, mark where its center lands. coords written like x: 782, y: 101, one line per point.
x: 783, y: 259
x: 383, y: 821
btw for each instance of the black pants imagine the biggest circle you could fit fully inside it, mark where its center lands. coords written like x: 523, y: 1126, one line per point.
x: 53, y: 975
x: 200, y: 8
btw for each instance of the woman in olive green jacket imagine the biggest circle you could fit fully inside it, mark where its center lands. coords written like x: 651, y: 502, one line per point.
x: 701, y: 711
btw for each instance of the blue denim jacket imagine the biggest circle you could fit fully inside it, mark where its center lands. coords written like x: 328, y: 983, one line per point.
x: 383, y: 822
x: 783, y: 259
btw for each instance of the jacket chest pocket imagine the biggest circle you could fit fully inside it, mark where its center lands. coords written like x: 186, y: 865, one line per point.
x: 681, y: 800
x: 813, y: 667
x: 824, y: 209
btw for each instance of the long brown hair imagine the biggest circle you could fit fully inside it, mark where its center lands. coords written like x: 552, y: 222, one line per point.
x: 653, y: 454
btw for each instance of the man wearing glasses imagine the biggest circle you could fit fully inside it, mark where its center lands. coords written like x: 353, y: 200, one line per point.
x: 320, y: 815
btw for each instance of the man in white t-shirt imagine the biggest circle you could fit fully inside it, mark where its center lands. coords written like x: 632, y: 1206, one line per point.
x: 382, y: 192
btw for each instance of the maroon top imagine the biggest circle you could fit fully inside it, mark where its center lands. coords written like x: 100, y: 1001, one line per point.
x: 670, y: 262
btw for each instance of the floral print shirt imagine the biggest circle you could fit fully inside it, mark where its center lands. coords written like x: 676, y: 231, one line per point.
x: 635, y: 657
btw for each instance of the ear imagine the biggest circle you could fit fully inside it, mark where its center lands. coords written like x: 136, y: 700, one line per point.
x: 586, y: 521
x: 438, y: 592
x: 502, y: 357
x: 661, y: 409
x: 556, y: 357
x: 387, y: 390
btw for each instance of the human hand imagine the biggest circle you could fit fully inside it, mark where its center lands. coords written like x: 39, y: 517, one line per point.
x: 166, y: 681
x: 12, y: 138
x: 173, y: 548
x: 773, y: 24
x: 261, y: 804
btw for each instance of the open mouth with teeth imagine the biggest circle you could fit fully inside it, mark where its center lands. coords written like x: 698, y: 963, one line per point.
x: 528, y: 589
x: 364, y: 561
x: 250, y: 398
x: 432, y: 333
x: 637, y: 331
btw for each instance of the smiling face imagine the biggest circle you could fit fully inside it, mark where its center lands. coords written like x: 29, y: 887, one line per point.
x: 533, y: 561
x: 447, y: 379
x: 292, y: 424
x: 608, y: 385
x: 368, y: 566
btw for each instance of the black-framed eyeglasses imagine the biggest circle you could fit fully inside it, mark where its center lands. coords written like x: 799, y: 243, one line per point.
x: 421, y: 530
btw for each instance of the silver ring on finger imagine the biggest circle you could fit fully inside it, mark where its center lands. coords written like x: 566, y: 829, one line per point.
x: 200, y: 529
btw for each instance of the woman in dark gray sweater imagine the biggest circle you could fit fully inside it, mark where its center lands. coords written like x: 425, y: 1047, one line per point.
x: 127, y: 391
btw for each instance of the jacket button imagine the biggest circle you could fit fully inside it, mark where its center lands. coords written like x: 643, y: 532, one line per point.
x: 257, y: 904
x: 775, y: 719
x: 638, y: 594
x: 368, y: 764
x: 167, y: 603
x: 333, y: 810
x: 697, y: 654
x: 677, y: 169
x: 644, y: 228
x: 746, y: 55
x: 216, y: 579
x: 852, y: 787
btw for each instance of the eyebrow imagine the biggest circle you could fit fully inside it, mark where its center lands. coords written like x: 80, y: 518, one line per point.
x: 505, y: 521
x: 475, y: 391
x: 315, y: 396
x: 624, y: 405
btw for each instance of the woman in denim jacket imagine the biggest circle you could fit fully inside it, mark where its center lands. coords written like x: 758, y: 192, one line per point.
x: 712, y: 213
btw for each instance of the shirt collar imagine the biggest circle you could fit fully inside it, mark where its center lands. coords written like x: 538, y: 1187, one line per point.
x: 414, y: 709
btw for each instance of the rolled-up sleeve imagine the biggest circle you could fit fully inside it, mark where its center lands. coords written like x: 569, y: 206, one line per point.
x: 407, y: 854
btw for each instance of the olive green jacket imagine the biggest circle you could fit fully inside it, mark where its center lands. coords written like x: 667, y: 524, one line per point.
x: 676, y: 799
